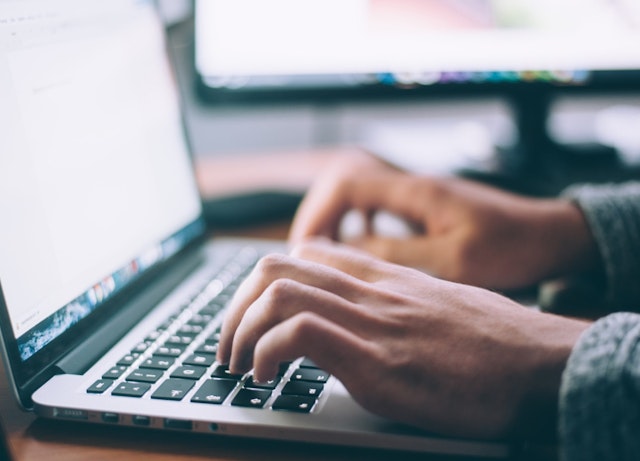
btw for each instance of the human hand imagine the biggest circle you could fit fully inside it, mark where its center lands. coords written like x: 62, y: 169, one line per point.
x: 442, y: 356
x: 464, y: 231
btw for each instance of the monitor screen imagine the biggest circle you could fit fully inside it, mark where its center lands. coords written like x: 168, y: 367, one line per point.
x: 324, y: 44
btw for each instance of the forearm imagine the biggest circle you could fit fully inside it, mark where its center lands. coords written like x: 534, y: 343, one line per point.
x: 599, y: 407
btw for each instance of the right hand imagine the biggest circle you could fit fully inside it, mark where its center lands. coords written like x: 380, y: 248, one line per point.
x: 446, y: 357
x: 466, y: 232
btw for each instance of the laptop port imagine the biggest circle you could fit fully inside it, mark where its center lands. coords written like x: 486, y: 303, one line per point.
x: 70, y: 413
x: 139, y: 420
x: 110, y: 417
x: 177, y: 424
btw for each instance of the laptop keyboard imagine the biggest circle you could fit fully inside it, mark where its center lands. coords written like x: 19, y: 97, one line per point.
x: 176, y: 361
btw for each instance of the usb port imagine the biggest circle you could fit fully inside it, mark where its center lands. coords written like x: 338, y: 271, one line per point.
x: 139, y: 420
x: 110, y: 417
x: 177, y: 424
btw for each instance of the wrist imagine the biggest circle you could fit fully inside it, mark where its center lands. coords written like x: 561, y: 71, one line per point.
x: 537, y: 414
x: 564, y: 231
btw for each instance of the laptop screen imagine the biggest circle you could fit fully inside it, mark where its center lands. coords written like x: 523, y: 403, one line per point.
x: 96, y: 185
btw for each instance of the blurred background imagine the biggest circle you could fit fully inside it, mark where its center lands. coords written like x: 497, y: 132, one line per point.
x: 531, y: 78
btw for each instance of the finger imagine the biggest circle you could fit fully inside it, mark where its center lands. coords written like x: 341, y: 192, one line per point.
x: 332, y: 347
x: 321, y: 210
x: 345, y: 258
x: 270, y: 269
x: 326, y: 203
x: 285, y: 299
x: 424, y: 252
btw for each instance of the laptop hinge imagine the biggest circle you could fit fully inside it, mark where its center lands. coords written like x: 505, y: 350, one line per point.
x: 84, y: 355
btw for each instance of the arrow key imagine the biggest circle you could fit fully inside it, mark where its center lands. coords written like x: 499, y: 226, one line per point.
x: 127, y: 389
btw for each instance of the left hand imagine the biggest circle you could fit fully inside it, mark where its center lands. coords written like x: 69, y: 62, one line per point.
x: 465, y: 231
x: 438, y: 355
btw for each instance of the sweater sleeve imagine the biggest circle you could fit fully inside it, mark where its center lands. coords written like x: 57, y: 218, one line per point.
x: 613, y: 215
x: 599, y: 405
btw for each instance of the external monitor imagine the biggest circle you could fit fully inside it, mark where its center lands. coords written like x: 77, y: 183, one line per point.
x: 345, y: 50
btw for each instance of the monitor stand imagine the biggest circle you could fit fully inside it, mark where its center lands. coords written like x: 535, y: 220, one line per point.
x: 539, y: 165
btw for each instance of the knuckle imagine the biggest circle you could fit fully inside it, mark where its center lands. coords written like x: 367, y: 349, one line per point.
x: 309, y: 247
x: 279, y: 294
x: 304, y: 326
x: 271, y: 264
x: 433, y: 188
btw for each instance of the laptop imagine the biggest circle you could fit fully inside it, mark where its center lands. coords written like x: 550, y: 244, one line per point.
x: 112, y: 289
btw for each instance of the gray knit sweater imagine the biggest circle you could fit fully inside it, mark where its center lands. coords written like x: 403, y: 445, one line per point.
x: 599, y: 408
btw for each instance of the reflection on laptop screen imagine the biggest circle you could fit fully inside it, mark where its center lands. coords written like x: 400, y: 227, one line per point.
x: 95, y: 180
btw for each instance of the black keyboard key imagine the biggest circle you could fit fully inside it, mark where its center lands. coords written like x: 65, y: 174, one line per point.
x: 203, y: 360
x: 214, y: 391
x: 207, y: 348
x: 167, y: 323
x: 304, y: 388
x: 189, y: 330
x: 283, y: 368
x: 214, y: 338
x: 179, y: 340
x: 220, y: 300
x: 254, y: 398
x: 114, y: 372
x: 310, y: 374
x: 140, y: 347
x: 145, y: 375
x: 201, y: 319
x: 222, y: 371
x: 173, y: 389
x: 128, y: 359
x: 128, y: 389
x: 151, y: 337
x: 169, y: 351
x: 100, y: 386
x: 189, y: 372
x: 295, y: 403
x: 212, y: 309
x: 158, y: 363
x: 271, y: 384
x: 308, y: 363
